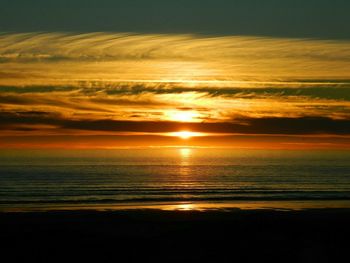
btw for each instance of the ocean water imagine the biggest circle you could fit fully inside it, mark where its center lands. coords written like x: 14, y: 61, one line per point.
x: 83, y: 178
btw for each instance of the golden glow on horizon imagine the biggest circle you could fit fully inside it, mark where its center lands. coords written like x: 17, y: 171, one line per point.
x: 183, y: 116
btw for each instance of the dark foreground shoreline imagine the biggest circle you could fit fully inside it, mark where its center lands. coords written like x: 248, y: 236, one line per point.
x: 314, y: 235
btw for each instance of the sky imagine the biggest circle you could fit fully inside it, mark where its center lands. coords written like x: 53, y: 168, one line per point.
x: 102, y: 74
x: 280, y: 18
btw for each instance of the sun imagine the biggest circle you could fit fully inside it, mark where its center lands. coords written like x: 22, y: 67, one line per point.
x: 185, y: 134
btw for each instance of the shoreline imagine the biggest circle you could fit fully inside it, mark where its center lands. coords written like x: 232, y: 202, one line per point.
x: 283, y: 205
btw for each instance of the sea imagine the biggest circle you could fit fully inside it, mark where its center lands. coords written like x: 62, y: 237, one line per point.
x: 178, y: 178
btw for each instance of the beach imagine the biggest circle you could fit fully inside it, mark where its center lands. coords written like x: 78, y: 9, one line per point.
x: 153, y: 235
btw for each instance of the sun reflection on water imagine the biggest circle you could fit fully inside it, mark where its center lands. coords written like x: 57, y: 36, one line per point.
x: 185, y: 207
x: 185, y: 160
x: 185, y: 153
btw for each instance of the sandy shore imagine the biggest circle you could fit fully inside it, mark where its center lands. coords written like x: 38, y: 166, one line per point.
x: 314, y: 235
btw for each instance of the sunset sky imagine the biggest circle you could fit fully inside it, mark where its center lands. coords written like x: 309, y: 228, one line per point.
x: 105, y: 74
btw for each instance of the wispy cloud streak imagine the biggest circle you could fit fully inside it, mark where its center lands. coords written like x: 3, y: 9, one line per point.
x: 133, y: 57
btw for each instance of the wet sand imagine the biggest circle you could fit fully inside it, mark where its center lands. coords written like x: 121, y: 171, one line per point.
x: 234, y: 235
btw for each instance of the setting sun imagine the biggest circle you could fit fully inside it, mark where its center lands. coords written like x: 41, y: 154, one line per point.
x: 186, y: 134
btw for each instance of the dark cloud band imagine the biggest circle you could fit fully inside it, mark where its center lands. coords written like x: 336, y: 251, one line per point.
x: 273, y: 126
